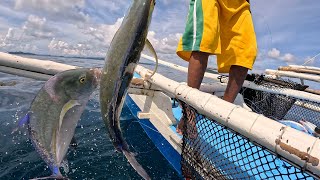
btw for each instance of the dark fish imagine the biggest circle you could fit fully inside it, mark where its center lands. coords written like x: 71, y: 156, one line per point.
x: 120, y: 62
x: 55, y: 112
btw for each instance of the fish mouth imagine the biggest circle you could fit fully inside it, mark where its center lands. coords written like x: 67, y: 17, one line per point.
x: 97, y: 75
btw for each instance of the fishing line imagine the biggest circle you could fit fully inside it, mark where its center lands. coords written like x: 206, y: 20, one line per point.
x: 155, y: 147
x: 135, y: 150
x: 311, y: 59
x: 269, y: 33
x: 264, y: 22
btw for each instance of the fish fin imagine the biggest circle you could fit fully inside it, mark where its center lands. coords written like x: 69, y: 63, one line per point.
x: 150, y: 47
x: 69, y: 105
x: 134, y: 163
x: 153, y: 51
x: 55, y: 174
x: 51, y: 177
x: 22, y: 122
x: 53, y: 144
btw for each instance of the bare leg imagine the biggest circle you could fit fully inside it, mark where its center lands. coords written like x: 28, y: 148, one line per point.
x: 237, y: 75
x: 197, y: 66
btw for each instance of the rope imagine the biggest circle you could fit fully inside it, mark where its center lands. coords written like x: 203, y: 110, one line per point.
x: 150, y: 47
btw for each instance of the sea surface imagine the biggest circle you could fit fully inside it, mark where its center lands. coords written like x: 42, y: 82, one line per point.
x: 95, y: 157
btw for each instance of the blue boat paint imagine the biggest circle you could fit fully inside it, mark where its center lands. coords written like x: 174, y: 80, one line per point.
x: 172, y: 156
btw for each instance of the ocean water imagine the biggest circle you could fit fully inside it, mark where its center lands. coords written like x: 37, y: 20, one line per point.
x: 95, y: 157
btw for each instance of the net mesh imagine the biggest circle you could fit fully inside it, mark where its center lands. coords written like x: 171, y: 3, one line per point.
x: 213, y: 151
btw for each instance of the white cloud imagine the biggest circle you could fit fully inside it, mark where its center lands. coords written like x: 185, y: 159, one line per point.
x: 28, y: 36
x: 165, y: 45
x: 59, y: 47
x: 48, y: 5
x: 55, y: 9
x: 10, y: 34
x: 104, y: 32
x: 170, y: 2
x: 99, y: 38
x: 275, y: 54
x: 47, y: 23
x: 27, y: 48
x: 7, y: 14
x: 38, y: 27
x: 10, y: 42
x: 109, y: 5
x: 288, y: 57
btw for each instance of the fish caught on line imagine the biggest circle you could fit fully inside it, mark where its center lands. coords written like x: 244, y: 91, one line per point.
x: 122, y: 57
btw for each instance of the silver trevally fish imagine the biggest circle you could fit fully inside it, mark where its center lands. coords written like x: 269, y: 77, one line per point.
x: 123, y: 55
x: 55, y: 112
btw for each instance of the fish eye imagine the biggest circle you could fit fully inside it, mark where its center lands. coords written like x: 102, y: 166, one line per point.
x: 82, y: 80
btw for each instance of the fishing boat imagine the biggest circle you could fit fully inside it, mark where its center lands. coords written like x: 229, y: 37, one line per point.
x: 221, y: 140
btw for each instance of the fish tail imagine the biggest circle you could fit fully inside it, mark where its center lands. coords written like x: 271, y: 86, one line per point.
x: 55, y: 175
x: 134, y: 163
x: 50, y: 177
x: 22, y: 122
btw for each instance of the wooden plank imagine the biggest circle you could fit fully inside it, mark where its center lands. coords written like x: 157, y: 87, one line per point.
x: 299, y: 70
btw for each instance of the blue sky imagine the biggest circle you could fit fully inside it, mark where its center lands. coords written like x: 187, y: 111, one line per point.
x: 287, y: 30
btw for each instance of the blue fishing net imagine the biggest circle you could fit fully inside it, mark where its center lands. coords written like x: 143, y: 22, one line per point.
x: 213, y: 151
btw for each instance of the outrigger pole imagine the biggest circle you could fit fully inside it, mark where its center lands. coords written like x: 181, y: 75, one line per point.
x: 295, y: 146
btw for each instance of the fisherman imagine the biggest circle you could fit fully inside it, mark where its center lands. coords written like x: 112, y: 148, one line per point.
x: 223, y: 28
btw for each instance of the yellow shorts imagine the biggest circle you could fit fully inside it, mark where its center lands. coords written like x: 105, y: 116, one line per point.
x: 223, y: 28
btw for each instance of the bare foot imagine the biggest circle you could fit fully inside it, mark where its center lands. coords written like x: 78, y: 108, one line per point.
x: 189, y: 116
x: 192, y: 130
x: 180, y: 126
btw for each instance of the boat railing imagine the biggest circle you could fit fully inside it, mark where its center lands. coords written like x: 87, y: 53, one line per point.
x: 297, y: 147
x: 236, y: 142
